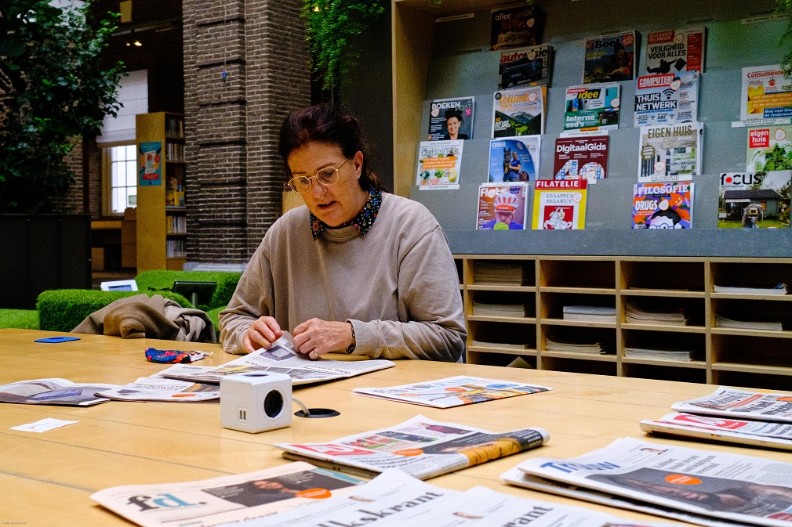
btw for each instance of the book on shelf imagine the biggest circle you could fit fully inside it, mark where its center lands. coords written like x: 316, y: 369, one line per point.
x: 584, y: 157
x: 502, y: 206
x: 763, y: 325
x: 779, y: 288
x: 515, y: 26
x: 514, y: 159
x: 421, y: 447
x: 529, y: 66
x: 675, y: 51
x: 592, y: 107
x: 610, y: 57
x: 666, y: 205
x: 559, y: 205
x: 670, y: 152
x: 518, y: 111
x: 766, y: 93
x: 448, y: 117
x: 754, y: 200
x: 646, y: 313
x: 584, y: 313
x: 53, y: 391
x: 174, y: 193
x: 666, y: 99
x: 439, y: 164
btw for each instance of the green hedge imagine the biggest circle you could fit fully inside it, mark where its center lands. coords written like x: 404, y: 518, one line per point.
x: 158, y: 281
x: 19, y: 318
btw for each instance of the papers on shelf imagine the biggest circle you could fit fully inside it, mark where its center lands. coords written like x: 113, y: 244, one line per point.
x: 499, y: 310
x: 766, y: 325
x: 778, y: 289
x: 590, y: 313
x: 660, y: 354
x: 54, y: 391
x: 498, y: 273
x: 643, y: 314
x: 574, y: 344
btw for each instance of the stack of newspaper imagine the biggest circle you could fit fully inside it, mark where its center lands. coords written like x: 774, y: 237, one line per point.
x: 661, y: 354
x: 766, y: 325
x: 498, y: 273
x: 641, y: 314
x: 499, y: 310
x: 779, y: 289
x: 590, y: 313
x: 574, y: 344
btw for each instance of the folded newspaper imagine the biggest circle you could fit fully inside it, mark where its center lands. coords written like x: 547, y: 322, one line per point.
x: 162, y: 389
x: 419, y: 446
x: 711, y: 485
x: 226, y: 499
x: 280, y: 358
x: 730, y: 402
x: 394, y: 499
x: 54, y: 391
x: 452, y: 391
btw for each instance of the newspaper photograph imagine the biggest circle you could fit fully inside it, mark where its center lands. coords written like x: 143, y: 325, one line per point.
x: 452, y: 391
x: 419, y: 446
x: 163, y: 389
x: 731, y: 402
x: 755, y: 433
x: 53, y: 391
x: 738, y: 488
x: 210, y: 502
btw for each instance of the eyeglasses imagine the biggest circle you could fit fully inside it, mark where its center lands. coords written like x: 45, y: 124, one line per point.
x: 326, y: 176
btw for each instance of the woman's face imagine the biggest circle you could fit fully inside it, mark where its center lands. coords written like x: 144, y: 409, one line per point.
x: 452, y: 125
x: 337, y: 203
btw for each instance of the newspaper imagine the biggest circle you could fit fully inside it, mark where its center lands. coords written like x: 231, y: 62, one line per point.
x: 419, y: 446
x: 162, y: 389
x: 452, y: 391
x: 737, y: 488
x: 394, y: 499
x: 756, y: 433
x: 730, y: 402
x: 280, y: 358
x: 54, y: 391
x: 205, y: 503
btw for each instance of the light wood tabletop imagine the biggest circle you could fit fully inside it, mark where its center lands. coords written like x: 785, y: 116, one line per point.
x: 47, y: 478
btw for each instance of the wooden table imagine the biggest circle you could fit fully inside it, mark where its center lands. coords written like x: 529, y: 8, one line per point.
x: 46, y: 479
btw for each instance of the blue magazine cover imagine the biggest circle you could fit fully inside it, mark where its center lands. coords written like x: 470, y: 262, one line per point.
x: 514, y: 159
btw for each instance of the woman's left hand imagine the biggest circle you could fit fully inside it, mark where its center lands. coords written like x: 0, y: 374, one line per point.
x: 315, y: 337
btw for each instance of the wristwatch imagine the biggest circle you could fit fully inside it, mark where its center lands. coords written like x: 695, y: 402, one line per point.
x: 351, y: 347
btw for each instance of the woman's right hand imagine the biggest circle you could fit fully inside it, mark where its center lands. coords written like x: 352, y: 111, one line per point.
x: 262, y: 333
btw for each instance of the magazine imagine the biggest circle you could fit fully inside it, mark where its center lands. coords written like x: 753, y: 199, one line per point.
x: 502, y: 206
x: 670, y: 152
x: 518, y: 111
x: 559, y: 205
x: 769, y: 149
x: 451, y: 116
x: 592, y: 107
x: 515, y: 26
x: 730, y: 487
x: 453, y: 391
x: 734, y: 403
x: 439, y: 164
x: 525, y: 66
x: 226, y: 499
x: 666, y: 99
x: 663, y: 205
x: 513, y: 159
x: 762, y: 325
x: 280, y: 358
x: 163, y: 389
x: 419, y: 446
x: 53, y: 391
x: 610, y: 58
x: 753, y: 433
x: 754, y: 200
x: 583, y: 157
x: 675, y: 50
x: 766, y: 93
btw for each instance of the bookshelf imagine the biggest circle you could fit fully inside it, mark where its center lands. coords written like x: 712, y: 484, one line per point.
x: 161, y: 213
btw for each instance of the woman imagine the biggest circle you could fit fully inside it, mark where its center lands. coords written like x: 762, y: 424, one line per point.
x: 356, y: 269
x: 454, y: 122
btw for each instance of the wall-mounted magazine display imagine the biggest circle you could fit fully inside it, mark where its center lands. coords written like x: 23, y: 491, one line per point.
x: 664, y: 205
x: 559, y: 205
x: 583, y: 157
x: 666, y: 99
x: 610, y: 58
x: 519, y: 111
x: 753, y: 200
x: 439, y: 164
x: 675, y: 50
x: 769, y: 149
x: 513, y: 159
x: 451, y: 119
x: 516, y: 26
x: 525, y: 66
x: 502, y: 206
x: 766, y: 93
x: 670, y: 152
x: 592, y: 107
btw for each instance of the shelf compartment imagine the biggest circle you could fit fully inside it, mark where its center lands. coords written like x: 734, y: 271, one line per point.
x: 757, y: 354
x: 767, y: 379
x: 578, y: 364
x: 552, y: 304
x: 582, y: 342
x: 695, y: 343
x: 580, y: 274
x: 692, y: 308
x: 752, y: 310
x: 502, y: 273
x: 498, y: 357
x: 695, y: 373
x: 517, y: 337
x: 501, y: 304
x: 751, y: 273
x: 662, y: 275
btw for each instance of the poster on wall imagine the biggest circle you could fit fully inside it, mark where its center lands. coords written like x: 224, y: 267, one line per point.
x: 150, y: 164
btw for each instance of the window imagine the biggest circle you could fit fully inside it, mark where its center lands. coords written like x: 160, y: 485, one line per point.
x: 120, y: 178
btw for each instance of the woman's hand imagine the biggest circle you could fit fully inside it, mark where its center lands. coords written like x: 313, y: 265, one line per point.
x: 315, y: 337
x: 261, y: 334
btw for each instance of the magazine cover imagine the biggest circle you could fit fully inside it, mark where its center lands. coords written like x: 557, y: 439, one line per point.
x: 439, y: 164
x: 583, y: 157
x: 451, y: 119
x: 666, y: 99
x: 525, y: 66
x: 502, y: 206
x: 610, y: 58
x: 667, y: 205
x: 592, y: 107
x: 675, y: 50
x: 754, y: 200
x: 518, y: 111
x: 514, y: 159
x: 515, y: 26
x: 670, y: 152
x: 769, y: 149
x: 766, y: 93
x: 559, y: 205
